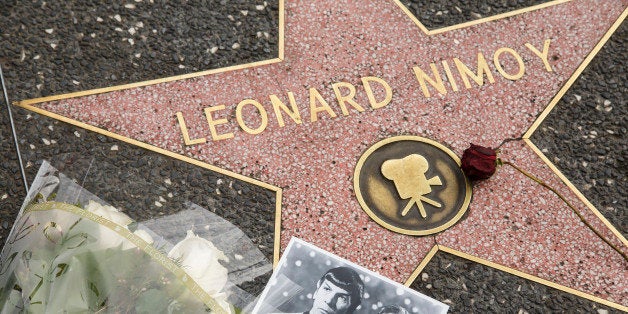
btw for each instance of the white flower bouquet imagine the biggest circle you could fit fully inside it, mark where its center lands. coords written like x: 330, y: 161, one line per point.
x: 70, y: 252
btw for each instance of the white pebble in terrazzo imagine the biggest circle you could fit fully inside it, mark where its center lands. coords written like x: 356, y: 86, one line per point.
x: 378, y: 39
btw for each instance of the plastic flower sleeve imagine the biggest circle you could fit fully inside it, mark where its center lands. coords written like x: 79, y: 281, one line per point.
x: 283, y: 289
x: 244, y: 261
x: 71, y: 251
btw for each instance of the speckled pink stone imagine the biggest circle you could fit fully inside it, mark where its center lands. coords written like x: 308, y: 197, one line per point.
x: 511, y: 220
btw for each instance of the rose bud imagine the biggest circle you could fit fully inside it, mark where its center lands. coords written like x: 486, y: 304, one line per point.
x: 478, y: 162
x: 53, y: 232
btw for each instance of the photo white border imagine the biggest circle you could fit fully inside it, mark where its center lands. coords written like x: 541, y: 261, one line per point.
x: 296, y: 241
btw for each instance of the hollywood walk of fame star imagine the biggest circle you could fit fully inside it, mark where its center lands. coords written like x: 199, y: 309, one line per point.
x: 511, y: 221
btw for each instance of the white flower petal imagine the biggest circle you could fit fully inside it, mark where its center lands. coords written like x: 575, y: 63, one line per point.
x: 108, y: 212
x: 53, y: 232
x: 144, y: 235
x: 221, y: 299
x: 120, y: 218
x: 199, y: 259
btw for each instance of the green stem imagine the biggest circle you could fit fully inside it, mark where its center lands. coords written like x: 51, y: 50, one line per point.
x: 540, y: 182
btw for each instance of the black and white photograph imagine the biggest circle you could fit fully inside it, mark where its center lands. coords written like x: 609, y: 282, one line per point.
x: 310, y: 280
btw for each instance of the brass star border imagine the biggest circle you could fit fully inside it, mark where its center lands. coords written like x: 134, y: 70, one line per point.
x: 28, y: 104
x: 436, y: 248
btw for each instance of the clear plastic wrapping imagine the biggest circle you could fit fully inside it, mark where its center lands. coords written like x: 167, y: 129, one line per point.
x: 69, y: 251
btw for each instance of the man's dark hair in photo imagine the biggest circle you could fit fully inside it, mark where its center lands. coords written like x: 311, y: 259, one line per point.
x: 339, y: 290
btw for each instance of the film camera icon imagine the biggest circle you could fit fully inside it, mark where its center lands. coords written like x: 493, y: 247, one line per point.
x: 411, y: 182
x: 411, y: 185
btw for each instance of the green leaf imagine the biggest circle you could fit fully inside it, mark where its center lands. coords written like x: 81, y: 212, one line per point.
x: 41, y: 281
x: 51, y: 197
x: 94, y: 289
x: 76, y: 241
x: 74, y: 224
x: 62, y: 268
x: 4, y: 265
x: 38, y: 197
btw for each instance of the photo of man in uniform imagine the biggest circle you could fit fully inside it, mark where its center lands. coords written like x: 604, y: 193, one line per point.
x: 339, y: 290
x: 309, y: 280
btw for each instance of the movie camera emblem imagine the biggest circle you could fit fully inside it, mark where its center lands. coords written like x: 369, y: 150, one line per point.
x: 411, y: 185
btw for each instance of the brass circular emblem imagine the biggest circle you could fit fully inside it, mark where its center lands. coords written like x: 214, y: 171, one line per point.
x: 411, y: 185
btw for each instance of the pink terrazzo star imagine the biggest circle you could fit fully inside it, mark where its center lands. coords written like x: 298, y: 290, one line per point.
x: 511, y: 220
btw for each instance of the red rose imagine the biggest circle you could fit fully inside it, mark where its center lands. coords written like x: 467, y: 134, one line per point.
x: 479, y: 162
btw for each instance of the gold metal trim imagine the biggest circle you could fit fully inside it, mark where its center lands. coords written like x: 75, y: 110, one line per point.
x: 280, y: 57
x: 415, y: 274
x: 27, y: 105
x: 282, y: 30
x: 511, y: 271
x: 358, y: 193
x: 474, y: 22
x: 550, y: 107
x: 143, y: 83
x: 196, y: 162
x: 576, y: 74
x: 526, y: 138
x: 575, y: 190
x: 277, y: 243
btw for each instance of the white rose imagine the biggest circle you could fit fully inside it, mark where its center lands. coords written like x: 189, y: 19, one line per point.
x: 53, y: 232
x: 144, y: 236
x: 109, y: 238
x: 221, y: 299
x: 109, y: 212
x: 199, y: 258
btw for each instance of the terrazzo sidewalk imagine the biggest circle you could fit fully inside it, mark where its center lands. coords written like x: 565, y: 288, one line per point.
x: 511, y: 221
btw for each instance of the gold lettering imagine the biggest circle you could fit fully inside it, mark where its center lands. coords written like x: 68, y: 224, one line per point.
x: 213, y: 123
x: 522, y: 68
x: 366, y: 81
x: 437, y: 83
x: 450, y: 77
x: 347, y: 98
x: 262, y: 113
x: 543, y: 55
x: 483, y: 68
x: 277, y: 104
x: 186, y: 134
x: 314, y: 110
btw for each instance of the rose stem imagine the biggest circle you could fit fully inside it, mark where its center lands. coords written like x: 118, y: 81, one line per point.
x: 539, y: 181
